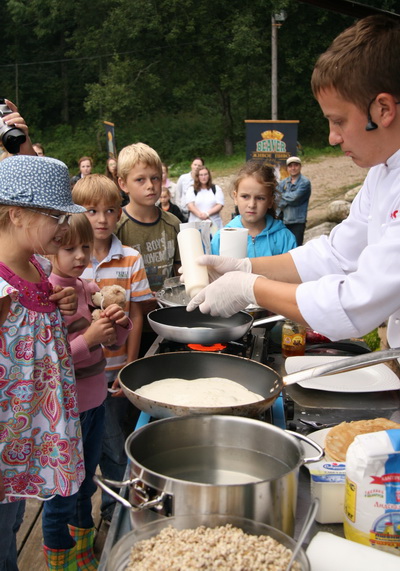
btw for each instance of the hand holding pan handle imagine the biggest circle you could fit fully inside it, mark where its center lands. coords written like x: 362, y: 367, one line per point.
x: 347, y: 364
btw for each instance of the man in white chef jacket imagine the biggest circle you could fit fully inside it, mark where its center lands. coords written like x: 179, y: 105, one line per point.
x: 346, y: 284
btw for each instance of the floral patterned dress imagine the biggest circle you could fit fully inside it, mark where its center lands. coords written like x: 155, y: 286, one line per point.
x: 40, y: 437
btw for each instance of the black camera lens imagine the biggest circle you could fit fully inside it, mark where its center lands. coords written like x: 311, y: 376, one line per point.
x: 11, y: 137
x: 12, y: 140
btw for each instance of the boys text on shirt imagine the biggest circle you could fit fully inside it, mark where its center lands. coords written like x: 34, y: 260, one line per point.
x: 156, y: 242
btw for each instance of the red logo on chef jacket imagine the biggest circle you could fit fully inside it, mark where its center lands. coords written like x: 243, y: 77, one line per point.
x: 394, y: 214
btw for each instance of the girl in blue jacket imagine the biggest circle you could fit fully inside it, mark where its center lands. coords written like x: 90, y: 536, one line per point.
x: 255, y: 193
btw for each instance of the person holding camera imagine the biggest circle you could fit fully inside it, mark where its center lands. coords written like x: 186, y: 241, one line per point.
x: 13, y: 130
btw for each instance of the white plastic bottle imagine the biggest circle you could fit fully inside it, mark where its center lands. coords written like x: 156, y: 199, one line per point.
x: 190, y: 248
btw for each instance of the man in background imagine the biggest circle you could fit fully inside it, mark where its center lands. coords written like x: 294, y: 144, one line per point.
x: 295, y: 193
x: 184, y: 182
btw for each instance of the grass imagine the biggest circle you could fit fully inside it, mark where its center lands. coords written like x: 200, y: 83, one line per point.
x: 313, y: 154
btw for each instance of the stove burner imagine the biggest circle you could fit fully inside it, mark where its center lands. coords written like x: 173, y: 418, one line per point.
x: 243, y: 347
x: 212, y: 348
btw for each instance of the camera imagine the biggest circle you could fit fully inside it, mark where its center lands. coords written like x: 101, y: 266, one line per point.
x: 11, y: 137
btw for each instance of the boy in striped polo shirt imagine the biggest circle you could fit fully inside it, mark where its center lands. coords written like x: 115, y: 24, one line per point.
x: 112, y: 263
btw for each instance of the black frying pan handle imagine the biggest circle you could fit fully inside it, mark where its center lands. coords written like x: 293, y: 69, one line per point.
x: 351, y: 348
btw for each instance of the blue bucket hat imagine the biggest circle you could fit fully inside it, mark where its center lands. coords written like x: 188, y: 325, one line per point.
x: 42, y: 182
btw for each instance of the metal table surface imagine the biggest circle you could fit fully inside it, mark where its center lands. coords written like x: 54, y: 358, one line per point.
x: 306, y: 404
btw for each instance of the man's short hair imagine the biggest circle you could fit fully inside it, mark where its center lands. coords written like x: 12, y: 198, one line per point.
x: 95, y: 188
x: 363, y: 61
x: 131, y: 155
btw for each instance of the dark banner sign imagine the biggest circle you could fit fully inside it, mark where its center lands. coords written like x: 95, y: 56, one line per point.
x: 271, y: 142
x: 111, y: 146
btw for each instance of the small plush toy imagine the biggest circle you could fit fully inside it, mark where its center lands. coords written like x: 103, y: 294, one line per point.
x: 107, y: 296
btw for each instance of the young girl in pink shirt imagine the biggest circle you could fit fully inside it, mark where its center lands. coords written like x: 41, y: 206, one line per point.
x: 68, y: 527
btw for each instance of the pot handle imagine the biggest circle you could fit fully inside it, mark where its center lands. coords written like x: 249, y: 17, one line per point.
x: 265, y: 320
x: 317, y: 447
x: 103, y: 483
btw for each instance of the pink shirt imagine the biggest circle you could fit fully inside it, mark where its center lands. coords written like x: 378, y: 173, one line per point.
x: 89, y: 363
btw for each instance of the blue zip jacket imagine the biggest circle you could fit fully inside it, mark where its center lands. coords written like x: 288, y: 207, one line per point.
x: 274, y: 239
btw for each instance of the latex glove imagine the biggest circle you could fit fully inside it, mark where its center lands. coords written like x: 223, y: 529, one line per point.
x: 227, y: 295
x: 217, y: 266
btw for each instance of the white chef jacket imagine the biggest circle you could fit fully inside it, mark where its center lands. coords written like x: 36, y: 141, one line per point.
x: 352, y: 278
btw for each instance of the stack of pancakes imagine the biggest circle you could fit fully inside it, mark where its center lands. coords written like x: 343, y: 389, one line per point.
x: 341, y: 436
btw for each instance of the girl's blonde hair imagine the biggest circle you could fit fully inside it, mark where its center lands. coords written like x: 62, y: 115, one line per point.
x: 265, y: 175
x: 5, y: 220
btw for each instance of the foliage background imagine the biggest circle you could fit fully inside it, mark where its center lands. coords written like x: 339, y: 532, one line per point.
x: 181, y: 75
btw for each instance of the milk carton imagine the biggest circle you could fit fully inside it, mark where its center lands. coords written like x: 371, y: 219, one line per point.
x: 372, y: 498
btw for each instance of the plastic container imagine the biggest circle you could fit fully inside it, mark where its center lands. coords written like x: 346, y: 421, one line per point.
x: 330, y: 490
x: 190, y: 248
x: 327, y: 483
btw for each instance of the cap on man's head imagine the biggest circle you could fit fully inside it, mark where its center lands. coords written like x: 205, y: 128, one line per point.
x: 42, y: 182
x: 293, y: 160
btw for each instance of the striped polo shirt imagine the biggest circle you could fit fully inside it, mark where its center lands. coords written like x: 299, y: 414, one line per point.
x: 122, y: 266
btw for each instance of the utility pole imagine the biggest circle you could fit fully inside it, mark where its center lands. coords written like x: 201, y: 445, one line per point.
x: 276, y: 23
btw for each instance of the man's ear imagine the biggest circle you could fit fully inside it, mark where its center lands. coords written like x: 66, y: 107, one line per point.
x: 119, y: 214
x: 388, y: 109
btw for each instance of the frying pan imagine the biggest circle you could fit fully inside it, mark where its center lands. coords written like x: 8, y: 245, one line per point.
x: 253, y: 375
x: 177, y: 324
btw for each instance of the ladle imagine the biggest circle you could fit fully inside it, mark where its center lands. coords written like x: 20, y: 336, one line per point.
x: 309, y: 520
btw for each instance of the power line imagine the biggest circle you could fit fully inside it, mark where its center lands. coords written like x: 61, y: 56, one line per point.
x: 87, y: 57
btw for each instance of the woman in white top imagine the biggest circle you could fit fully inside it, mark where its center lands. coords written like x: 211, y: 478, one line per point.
x: 205, y: 200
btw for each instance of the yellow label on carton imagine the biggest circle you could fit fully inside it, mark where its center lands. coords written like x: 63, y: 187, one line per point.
x: 350, y: 501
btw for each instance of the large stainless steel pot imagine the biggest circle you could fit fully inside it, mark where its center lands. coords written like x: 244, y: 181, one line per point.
x: 214, y: 464
x: 119, y: 556
x: 256, y: 377
x: 176, y: 324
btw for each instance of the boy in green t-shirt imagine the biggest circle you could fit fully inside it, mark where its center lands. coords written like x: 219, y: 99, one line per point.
x: 143, y: 225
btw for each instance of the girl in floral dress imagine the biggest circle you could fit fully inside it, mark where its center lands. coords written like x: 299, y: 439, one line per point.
x: 40, y: 440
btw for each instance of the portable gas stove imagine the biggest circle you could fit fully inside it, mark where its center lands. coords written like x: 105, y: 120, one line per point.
x: 253, y: 346
x: 297, y: 403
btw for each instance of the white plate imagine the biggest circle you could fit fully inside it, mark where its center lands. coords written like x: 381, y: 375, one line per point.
x: 367, y: 380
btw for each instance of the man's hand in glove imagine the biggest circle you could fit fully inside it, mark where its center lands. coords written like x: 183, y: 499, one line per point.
x: 217, y: 266
x: 227, y: 295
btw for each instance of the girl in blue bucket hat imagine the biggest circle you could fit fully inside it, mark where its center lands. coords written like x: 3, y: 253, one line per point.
x: 40, y: 439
